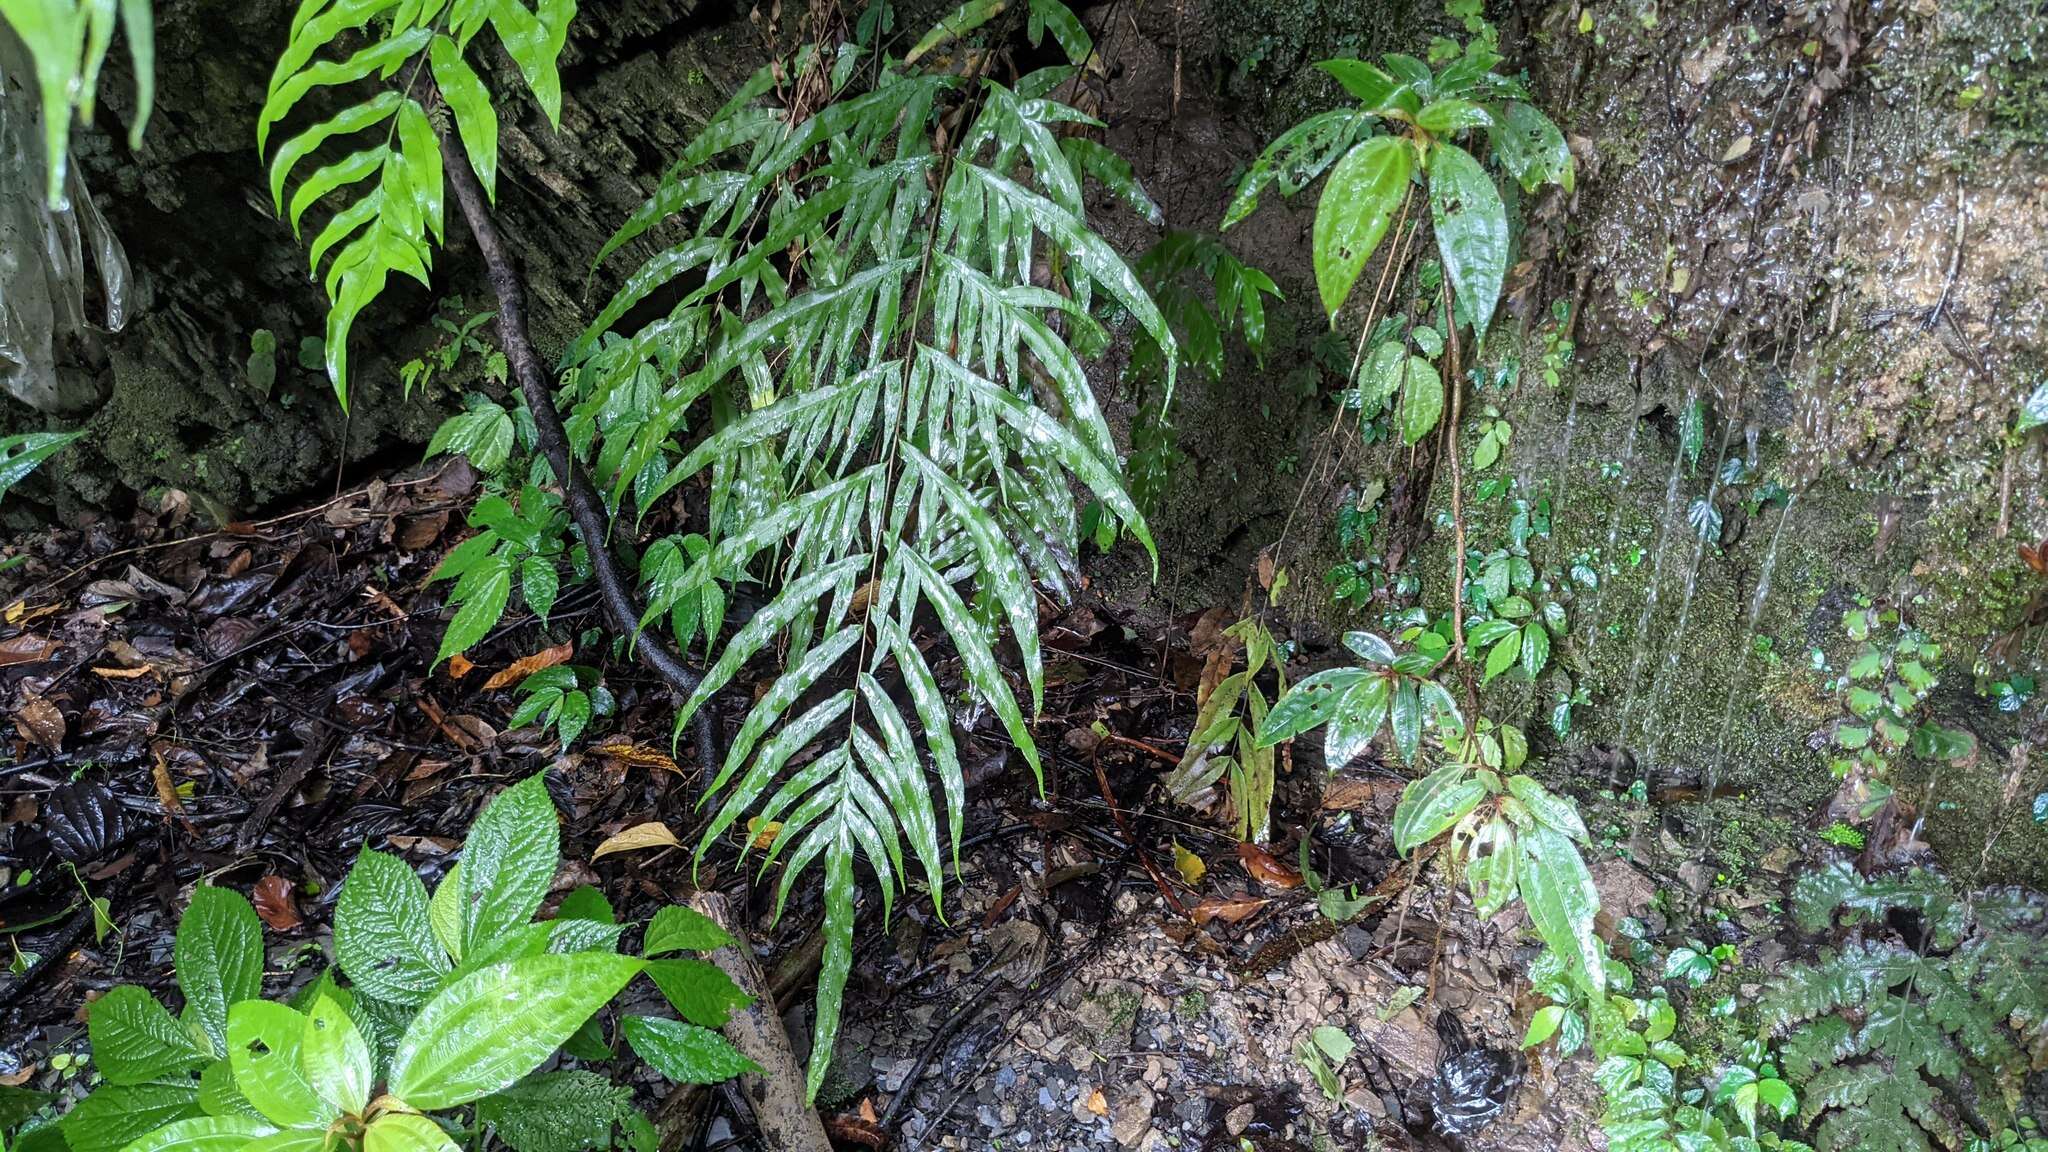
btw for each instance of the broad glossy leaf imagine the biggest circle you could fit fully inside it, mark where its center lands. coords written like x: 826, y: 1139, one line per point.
x: 1490, y: 868
x: 492, y: 1027
x: 1504, y: 654
x: 508, y: 861
x: 383, y: 938
x: 1359, y: 201
x: 136, y: 1040
x: 480, y: 610
x: 289, y: 1140
x: 1562, y: 903
x: 406, y: 1131
x: 1549, y: 808
x: 1429, y: 806
x: 1471, y: 230
x: 1535, y: 648
x: 2033, y: 411
x: 336, y: 1058
x: 1422, y: 400
x: 685, y: 1053
x: 679, y: 929
x: 1358, y: 718
x: 264, y: 1049
x: 382, y: 53
x: 556, y: 1112
x: 1309, y: 703
x: 961, y: 21
x: 699, y: 991
x: 1369, y: 647
x: 1531, y: 148
x: 1447, y: 117
x: 1406, y: 718
x: 218, y: 955
x: 202, y: 1134
x: 1367, y: 83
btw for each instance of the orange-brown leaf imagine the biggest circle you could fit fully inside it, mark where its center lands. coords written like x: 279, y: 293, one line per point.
x: 274, y: 903
x: 1229, y: 909
x: 526, y: 666
x: 1265, y: 868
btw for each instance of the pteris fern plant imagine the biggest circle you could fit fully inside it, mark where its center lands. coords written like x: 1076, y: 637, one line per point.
x: 390, y: 182
x: 1915, y: 1039
x: 866, y: 361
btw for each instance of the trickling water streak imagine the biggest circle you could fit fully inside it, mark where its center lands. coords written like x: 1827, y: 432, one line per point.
x: 1660, y: 684
x: 1635, y: 666
x: 1560, y: 481
x: 1628, y: 455
x: 1756, y: 611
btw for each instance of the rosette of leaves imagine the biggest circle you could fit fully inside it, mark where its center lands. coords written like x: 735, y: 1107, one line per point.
x: 1397, y: 692
x: 1517, y: 619
x: 1226, y: 743
x: 1409, y: 126
x: 451, y: 1004
x: 1907, y: 1044
x: 865, y: 352
x: 381, y: 155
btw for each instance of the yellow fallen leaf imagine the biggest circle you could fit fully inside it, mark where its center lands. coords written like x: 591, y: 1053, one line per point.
x: 653, y: 834
x: 763, y: 834
x: 1189, y: 865
x: 458, y: 666
x: 1096, y: 1104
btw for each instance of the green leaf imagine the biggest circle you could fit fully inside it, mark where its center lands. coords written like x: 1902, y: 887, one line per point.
x: 679, y: 929
x: 470, y: 102
x: 1422, y: 400
x: 21, y: 455
x: 380, y: 55
x: 115, y: 1115
x: 1471, y: 230
x: 1363, y: 709
x: 1359, y: 201
x: 961, y: 21
x: 1406, y: 719
x: 357, y: 118
x: 1503, y: 655
x: 202, y: 1134
x: 555, y: 1112
x: 1065, y: 28
x: 685, y: 1053
x: 480, y: 609
x: 1531, y: 148
x: 1366, y: 82
x: 383, y: 938
x: 699, y: 991
x: 1429, y: 806
x: 136, y: 1040
x: 1543, y: 1025
x: 1447, y: 117
x: 535, y: 43
x: 508, y: 862
x: 406, y: 1132
x: 218, y: 955
x: 1548, y: 807
x: 336, y: 1058
x: 264, y: 1050
x: 1562, y: 902
x: 1535, y: 648
x: 491, y: 1028
x: 1113, y: 172
x: 1309, y: 703
x: 444, y: 914
x: 2033, y: 412
x: 1296, y: 158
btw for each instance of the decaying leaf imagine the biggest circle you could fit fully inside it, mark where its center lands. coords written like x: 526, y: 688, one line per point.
x: 1189, y: 865
x: 1262, y: 866
x: 274, y: 903
x: 1229, y: 909
x: 653, y: 834
x: 631, y: 755
x: 526, y: 666
x: 40, y: 722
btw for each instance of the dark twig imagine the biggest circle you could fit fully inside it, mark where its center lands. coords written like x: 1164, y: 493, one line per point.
x: 586, y: 510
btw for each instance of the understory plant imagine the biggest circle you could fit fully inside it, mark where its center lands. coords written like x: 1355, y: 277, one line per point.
x: 430, y: 1028
x: 876, y: 279
x: 1918, y: 1030
x: 1883, y: 694
x: 1226, y: 744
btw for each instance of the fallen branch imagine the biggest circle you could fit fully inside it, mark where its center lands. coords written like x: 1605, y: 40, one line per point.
x: 586, y: 510
x: 787, y: 1121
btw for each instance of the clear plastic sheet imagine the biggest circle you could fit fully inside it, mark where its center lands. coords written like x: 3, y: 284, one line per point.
x: 42, y: 251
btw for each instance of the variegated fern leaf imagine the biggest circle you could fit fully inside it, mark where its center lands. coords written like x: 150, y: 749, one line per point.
x: 879, y: 304
x: 395, y: 152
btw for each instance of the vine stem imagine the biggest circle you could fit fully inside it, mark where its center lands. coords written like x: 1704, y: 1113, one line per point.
x: 586, y: 509
x: 1457, y: 506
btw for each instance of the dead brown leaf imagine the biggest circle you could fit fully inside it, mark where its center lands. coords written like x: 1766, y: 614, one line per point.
x: 632, y: 755
x: 1229, y: 909
x: 1262, y: 866
x: 459, y: 666
x: 1344, y: 794
x: 122, y: 673
x: 526, y: 666
x: 653, y: 834
x: 39, y: 721
x: 27, y: 648
x: 166, y: 792
x: 275, y: 904
x: 1096, y: 1103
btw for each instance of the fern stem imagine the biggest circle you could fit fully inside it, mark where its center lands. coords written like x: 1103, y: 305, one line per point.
x: 586, y: 510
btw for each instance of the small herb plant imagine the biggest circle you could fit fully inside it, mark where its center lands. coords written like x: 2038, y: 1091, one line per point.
x: 1883, y: 693
x: 451, y: 1004
x: 1228, y: 742
x: 1407, y: 127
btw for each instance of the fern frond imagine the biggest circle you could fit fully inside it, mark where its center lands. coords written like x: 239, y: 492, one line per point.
x: 391, y: 225
x: 877, y: 321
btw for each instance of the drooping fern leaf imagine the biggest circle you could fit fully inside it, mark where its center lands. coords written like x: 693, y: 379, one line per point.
x: 391, y: 175
x: 870, y: 366
x: 68, y: 40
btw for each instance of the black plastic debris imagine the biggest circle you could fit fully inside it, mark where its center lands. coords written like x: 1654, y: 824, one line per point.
x: 1473, y: 1085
